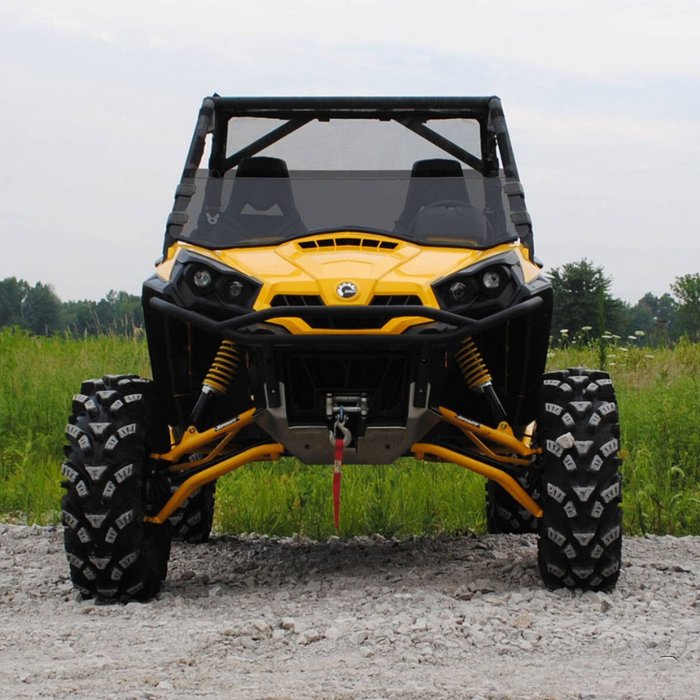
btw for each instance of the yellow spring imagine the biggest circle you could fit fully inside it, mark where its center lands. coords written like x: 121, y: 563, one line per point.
x: 223, y: 368
x: 471, y: 365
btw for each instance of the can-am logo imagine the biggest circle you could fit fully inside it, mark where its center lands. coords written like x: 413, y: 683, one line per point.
x: 346, y: 290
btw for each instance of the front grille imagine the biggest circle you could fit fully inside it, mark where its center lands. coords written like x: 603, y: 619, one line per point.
x: 296, y: 300
x: 396, y: 300
x: 349, y: 323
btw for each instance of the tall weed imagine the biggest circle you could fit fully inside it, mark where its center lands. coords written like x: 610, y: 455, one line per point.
x: 38, y: 377
x: 658, y: 392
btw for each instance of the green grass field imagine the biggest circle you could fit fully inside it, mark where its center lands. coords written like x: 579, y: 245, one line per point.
x: 658, y: 391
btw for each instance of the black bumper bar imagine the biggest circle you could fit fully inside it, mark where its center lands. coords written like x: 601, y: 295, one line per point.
x: 234, y: 328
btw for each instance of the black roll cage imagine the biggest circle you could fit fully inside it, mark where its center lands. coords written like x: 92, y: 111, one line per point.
x: 410, y: 112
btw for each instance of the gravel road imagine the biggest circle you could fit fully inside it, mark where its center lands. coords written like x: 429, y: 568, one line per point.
x: 254, y: 618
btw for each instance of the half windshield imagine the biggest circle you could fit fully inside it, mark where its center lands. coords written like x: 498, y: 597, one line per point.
x: 276, y: 179
x: 468, y: 210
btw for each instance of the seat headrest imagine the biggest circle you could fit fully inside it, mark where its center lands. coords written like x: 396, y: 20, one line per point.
x: 437, y: 167
x: 262, y: 183
x: 262, y: 166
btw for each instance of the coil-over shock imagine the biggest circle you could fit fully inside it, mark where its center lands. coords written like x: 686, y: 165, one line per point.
x: 476, y: 374
x: 218, y: 379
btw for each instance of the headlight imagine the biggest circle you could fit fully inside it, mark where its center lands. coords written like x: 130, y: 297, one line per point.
x: 202, y: 278
x: 491, y: 280
x: 234, y: 290
x: 213, y: 284
x: 491, y: 283
x: 459, y: 290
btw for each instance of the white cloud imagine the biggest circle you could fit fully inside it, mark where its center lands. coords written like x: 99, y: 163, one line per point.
x: 560, y: 126
x: 592, y: 37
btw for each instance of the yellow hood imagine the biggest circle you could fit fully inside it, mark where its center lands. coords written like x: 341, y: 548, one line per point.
x: 377, y: 265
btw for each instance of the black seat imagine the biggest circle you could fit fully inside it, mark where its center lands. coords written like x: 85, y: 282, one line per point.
x: 433, y: 180
x: 261, y: 206
x: 437, y: 208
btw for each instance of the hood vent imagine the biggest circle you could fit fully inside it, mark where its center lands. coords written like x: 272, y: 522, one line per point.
x: 367, y: 243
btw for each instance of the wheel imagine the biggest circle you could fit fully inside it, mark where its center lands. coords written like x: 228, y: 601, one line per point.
x: 580, y: 543
x: 113, y: 554
x: 192, y: 521
x: 504, y: 515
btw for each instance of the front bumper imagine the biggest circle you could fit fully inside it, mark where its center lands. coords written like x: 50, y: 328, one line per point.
x: 442, y: 327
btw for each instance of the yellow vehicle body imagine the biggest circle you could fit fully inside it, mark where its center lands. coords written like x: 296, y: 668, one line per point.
x: 291, y: 269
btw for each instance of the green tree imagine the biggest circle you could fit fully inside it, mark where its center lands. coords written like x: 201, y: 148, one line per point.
x: 656, y: 317
x: 80, y: 317
x: 42, y: 312
x: 39, y: 310
x: 687, y: 291
x: 13, y: 293
x: 120, y: 312
x: 582, y: 299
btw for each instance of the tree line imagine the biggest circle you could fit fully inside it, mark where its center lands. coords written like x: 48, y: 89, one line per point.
x: 38, y: 309
x: 583, y: 306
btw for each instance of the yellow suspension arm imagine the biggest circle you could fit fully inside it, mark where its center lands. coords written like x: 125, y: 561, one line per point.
x: 501, y: 478
x: 255, y: 454
x: 193, y: 440
x: 503, y: 435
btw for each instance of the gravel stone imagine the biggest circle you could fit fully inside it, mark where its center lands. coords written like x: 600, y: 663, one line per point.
x: 308, y: 636
x: 358, y: 637
x: 370, y: 618
x: 288, y: 623
x: 523, y: 621
x: 333, y: 633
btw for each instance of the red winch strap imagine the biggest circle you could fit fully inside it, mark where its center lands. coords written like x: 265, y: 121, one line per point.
x: 337, y: 473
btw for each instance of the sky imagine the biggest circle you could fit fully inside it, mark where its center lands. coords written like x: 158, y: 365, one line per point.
x: 100, y: 99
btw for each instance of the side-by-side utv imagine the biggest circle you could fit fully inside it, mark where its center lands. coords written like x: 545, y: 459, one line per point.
x: 344, y: 280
